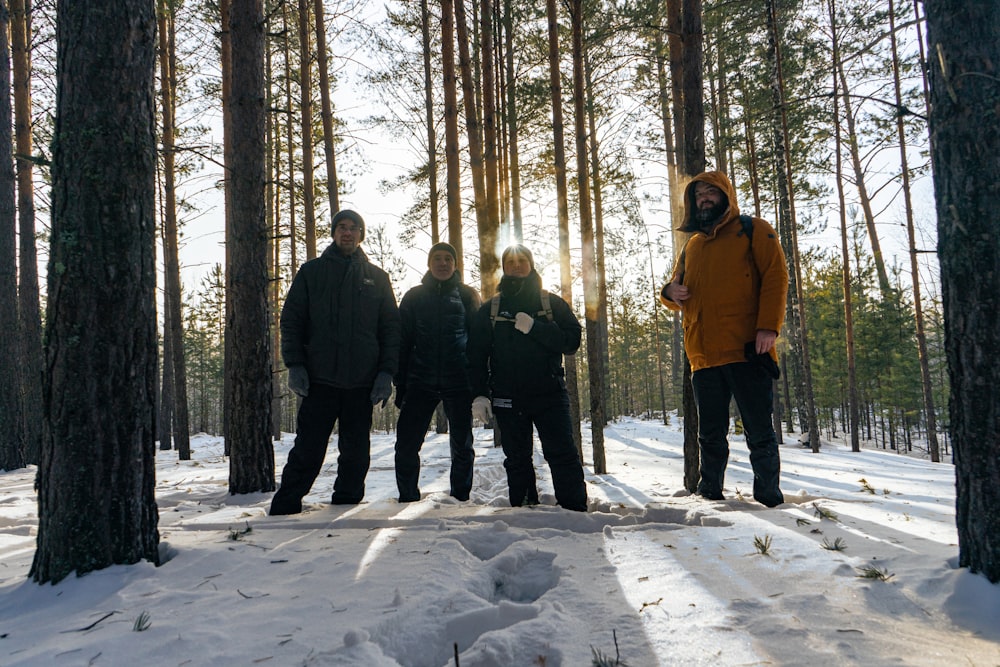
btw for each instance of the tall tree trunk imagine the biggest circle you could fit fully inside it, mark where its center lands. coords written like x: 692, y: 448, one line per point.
x: 11, y: 422
x: 293, y: 236
x: 918, y: 307
x: 165, y: 416
x: 326, y: 105
x: 512, y: 125
x: 453, y: 189
x: 685, y: 39
x: 852, y: 373
x: 29, y: 311
x: 859, y: 177
x: 489, y: 262
x: 962, y: 36
x: 171, y: 262
x: 591, y: 289
x: 251, y: 462
x: 432, y: 162
x: 786, y: 200
x: 99, y: 445
x: 602, y: 283
x: 562, y: 204
x: 305, y: 109
x: 272, y: 214
x: 666, y: 120
x: 722, y: 113
x: 226, y: 58
x: 491, y: 174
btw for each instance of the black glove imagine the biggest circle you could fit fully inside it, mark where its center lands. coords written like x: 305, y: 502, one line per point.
x: 763, y: 360
x: 298, y: 380
x: 382, y: 389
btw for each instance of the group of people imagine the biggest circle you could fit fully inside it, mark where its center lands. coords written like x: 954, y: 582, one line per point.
x: 346, y: 343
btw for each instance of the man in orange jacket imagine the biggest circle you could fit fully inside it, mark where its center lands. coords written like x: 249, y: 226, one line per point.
x: 730, y: 284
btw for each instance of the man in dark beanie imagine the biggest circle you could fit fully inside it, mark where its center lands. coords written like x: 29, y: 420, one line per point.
x: 340, y: 341
x: 351, y: 216
x: 516, y: 348
x: 432, y: 368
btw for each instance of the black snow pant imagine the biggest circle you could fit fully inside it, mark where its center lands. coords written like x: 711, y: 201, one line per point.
x: 320, y: 410
x: 750, y: 385
x: 550, y: 416
x: 411, y: 428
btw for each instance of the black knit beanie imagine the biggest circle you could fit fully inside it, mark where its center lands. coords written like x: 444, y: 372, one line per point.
x: 354, y: 217
x: 447, y: 247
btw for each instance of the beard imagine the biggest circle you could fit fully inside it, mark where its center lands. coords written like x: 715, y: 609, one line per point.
x: 706, y: 216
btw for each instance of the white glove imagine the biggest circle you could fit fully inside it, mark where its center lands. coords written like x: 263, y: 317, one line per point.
x: 523, y: 322
x: 482, y: 410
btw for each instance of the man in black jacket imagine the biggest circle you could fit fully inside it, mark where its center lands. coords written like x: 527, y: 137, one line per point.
x: 340, y: 341
x: 435, y: 315
x: 515, y: 362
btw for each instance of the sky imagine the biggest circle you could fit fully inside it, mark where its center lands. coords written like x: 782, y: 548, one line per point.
x: 650, y: 574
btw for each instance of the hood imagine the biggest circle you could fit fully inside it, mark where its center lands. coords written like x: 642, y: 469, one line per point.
x: 719, y: 180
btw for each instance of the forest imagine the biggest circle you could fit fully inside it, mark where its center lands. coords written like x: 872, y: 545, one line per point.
x: 569, y: 126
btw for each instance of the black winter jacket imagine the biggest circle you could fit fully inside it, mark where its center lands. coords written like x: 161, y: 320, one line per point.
x: 340, y: 321
x: 506, y: 363
x: 436, y: 317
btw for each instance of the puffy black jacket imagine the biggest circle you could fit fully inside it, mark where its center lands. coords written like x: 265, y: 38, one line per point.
x: 436, y: 317
x: 340, y: 321
x: 504, y: 362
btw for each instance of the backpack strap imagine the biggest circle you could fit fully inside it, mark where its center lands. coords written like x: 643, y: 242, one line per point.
x: 746, y: 222
x: 546, y: 305
x: 495, y: 308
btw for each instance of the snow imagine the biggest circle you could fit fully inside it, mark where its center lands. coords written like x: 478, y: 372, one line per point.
x: 651, y: 573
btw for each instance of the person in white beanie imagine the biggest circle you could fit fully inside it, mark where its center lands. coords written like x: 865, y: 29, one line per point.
x: 515, y: 352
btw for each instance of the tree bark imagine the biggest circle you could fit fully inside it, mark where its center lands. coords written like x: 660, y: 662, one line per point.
x: 562, y: 204
x: 171, y: 261
x: 305, y: 109
x: 453, y: 190
x: 29, y: 310
x: 293, y: 236
x: 489, y: 262
x: 272, y: 214
x: 96, y: 504
x: 859, y: 177
x: 685, y: 39
x: 786, y: 202
x: 602, y: 282
x: 961, y: 36
x: 918, y: 306
x: 251, y: 462
x: 852, y: 380
x: 326, y: 105
x: 591, y: 288
x: 666, y: 120
x: 11, y: 422
x: 512, y: 125
x: 432, y: 161
x: 490, y: 168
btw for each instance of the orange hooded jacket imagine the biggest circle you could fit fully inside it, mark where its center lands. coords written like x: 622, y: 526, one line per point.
x: 736, y: 286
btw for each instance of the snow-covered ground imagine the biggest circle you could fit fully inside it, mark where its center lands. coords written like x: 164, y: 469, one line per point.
x: 650, y: 574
